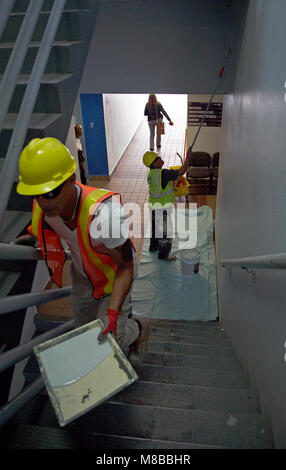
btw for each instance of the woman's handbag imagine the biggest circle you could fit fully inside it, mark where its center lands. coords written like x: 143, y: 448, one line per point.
x: 160, y: 125
x: 160, y: 128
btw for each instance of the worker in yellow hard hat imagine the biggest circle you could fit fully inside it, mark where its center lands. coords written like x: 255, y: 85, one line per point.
x: 103, y: 265
x: 161, y: 202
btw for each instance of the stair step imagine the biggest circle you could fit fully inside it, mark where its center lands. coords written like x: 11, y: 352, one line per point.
x: 7, y: 281
x: 213, y: 351
x: 22, y: 5
x: 193, y: 376
x: 211, y: 428
x: 26, y: 436
x: 196, y: 427
x: 182, y: 323
x: 60, y: 59
x: 197, y: 362
x: 189, y: 397
x: 49, y: 96
x: 13, y: 224
x: 208, y: 340
x: 196, y: 330
x: 69, y: 26
x: 40, y: 125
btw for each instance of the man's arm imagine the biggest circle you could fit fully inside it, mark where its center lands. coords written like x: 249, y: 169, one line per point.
x: 123, y: 257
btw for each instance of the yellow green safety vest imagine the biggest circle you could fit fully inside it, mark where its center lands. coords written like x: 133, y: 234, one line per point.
x: 159, y: 198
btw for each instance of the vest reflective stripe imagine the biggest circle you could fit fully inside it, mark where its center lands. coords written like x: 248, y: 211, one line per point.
x: 50, y: 244
x: 100, y: 268
x: 158, y: 195
x: 97, y: 265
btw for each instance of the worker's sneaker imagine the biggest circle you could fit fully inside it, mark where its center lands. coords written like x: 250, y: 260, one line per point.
x: 139, y: 349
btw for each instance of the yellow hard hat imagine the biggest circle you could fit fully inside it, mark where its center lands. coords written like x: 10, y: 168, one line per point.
x: 44, y: 164
x: 149, y: 157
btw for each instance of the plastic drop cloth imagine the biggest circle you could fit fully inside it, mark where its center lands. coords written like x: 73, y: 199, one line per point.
x: 161, y: 291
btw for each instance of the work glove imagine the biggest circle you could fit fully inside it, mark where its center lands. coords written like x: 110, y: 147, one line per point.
x: 112, y: 316
x: 27, y: 240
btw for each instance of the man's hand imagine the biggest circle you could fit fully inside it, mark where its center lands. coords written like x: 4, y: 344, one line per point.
x: 171, y: 123
x: 112, y: 316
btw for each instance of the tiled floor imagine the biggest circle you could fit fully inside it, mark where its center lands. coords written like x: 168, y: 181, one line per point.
x: 129, y: 178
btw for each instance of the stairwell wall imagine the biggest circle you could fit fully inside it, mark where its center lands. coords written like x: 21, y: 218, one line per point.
x: 250, y: 214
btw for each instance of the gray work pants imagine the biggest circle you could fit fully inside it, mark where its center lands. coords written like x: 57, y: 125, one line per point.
x: 87, y: 309
x: 152, y: 127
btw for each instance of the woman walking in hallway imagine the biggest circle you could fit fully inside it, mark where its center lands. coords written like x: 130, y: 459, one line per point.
x: 154, y: 112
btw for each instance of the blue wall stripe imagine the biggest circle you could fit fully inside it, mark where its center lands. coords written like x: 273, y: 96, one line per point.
x: 94, y: 133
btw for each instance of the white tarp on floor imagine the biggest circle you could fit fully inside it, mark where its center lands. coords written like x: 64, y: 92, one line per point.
x: 161, y: 291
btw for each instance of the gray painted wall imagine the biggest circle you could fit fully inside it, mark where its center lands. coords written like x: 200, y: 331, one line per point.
x: 251, y: 204
x: 158, y: 46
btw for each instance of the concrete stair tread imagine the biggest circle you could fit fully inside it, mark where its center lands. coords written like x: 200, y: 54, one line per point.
x: 196, y: 330
x: 7, y: 280
x: 10, y: 45
x: 13, y: 223
x: 193, y: 339
x: 22, y: 5
x: 194, y: 376
x: 37, y: 121
x: 194, y: 426
x: 47, y: 12
x: 197, y: 361
x: 212, y: 350
x: 28, y: 436
x: 189, y: 397
x: 212, y: 428
x: 48, y: 78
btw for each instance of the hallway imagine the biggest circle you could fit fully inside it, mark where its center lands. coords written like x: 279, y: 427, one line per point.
x: 129, y: 179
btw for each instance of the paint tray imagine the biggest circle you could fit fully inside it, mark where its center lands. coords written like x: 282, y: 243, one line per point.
x: 79, y: 373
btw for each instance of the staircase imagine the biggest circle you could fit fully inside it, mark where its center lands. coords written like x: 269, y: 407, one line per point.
x: 191, y: 394
x: 59, y: 85
x: 51, y: 117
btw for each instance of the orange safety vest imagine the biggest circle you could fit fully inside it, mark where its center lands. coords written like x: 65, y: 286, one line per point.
x: 99, y: 267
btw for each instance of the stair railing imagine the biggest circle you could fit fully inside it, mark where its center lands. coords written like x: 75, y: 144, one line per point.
x: 276, y: 261
x: 6, y: 8
x: 9, y: 169
x: 9, y: 172
x: 13, y: 356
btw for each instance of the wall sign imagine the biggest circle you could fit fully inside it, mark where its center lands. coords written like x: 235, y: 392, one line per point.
x: 196, y: 112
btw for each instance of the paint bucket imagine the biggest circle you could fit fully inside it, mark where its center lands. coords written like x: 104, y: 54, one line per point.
x: 190, y: 262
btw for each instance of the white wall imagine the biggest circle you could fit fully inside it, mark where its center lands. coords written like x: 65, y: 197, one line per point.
x: 122, y: 115
x: 171, y: 46
x: 251, y: 201
x: 209, y: 138
x: 71, y: 145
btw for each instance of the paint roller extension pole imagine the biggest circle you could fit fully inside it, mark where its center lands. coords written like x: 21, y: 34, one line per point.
x: 205, y: 113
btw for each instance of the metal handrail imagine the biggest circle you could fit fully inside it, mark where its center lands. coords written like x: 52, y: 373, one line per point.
x: 24, y: 350
x: 13, y: 303
x: 8, y: 173
x: 16, y: 404
x: 20, y: 252
x: 276, y: 261
x: 18, y: 353
x: 6, y: 8
x: 17, y: 56
x: 18, y: 137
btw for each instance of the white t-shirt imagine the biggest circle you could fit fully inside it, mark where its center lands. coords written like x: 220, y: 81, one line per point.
x: 108, y: 229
